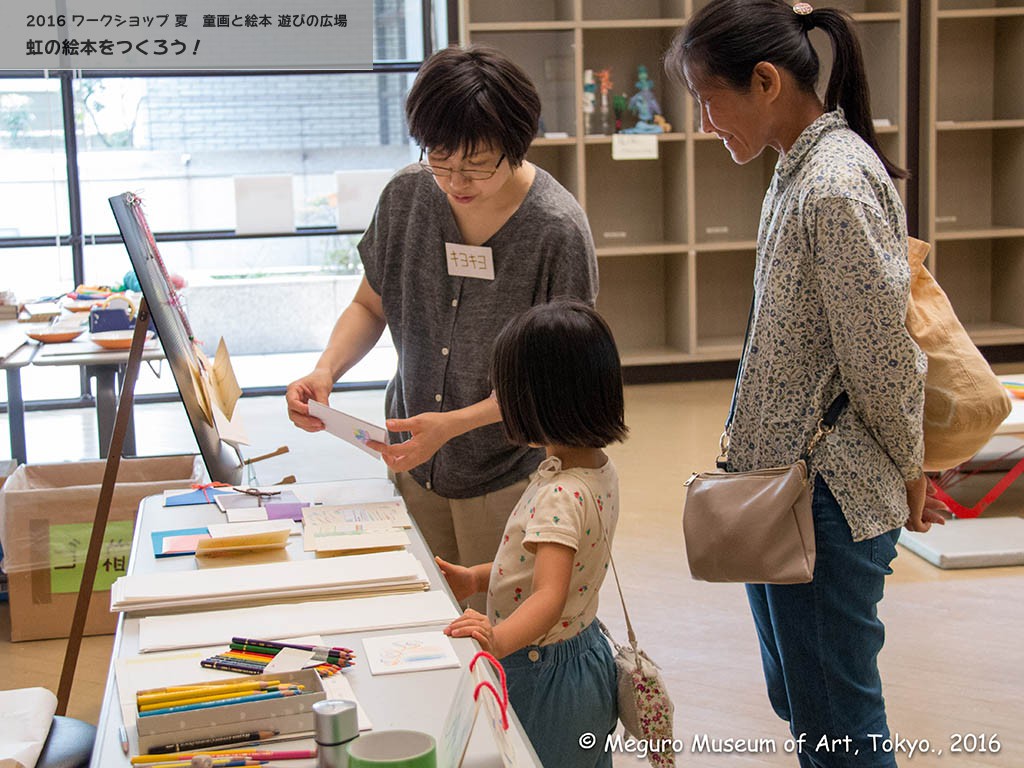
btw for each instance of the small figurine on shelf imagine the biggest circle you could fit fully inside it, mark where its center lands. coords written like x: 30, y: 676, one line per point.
x: 590, y: 125
x: 606, y: 121
x: 645, y: 106
x: 619, y: 106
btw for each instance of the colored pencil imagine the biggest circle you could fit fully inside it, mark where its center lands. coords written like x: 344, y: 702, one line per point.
x: 209, y: 742
x: 249, y: 685
x: 224, y: 697
x: 226, y: 763
x: 275, y: 644
x: 267, y: 651
x: 264, y: 755
x: 250, y: 669
x: 211, y: 684
x: 211, y: 704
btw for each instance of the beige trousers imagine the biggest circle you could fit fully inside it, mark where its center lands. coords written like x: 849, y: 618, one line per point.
x: 461, y: 531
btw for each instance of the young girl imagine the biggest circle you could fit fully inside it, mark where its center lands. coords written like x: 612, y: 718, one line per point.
x: 831, y: 283
x: 556, y: 376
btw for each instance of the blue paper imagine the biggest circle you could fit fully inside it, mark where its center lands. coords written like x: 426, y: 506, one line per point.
x: 195, y: 497
x: 165, y: 546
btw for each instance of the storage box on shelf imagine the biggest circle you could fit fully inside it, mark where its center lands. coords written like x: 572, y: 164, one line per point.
x: 675, y: 235
x: 973, y: 161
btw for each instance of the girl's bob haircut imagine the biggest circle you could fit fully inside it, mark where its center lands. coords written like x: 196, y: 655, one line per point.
x: 557, y: 377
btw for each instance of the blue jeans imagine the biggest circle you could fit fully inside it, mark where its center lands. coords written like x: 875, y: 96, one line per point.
x: 820, y: 644
x: 561, y: 691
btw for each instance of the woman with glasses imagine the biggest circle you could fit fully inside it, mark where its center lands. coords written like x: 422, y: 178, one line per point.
x: 469, y: 237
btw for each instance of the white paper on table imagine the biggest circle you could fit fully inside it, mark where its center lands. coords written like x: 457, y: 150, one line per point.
x: 221, y: 530
x: 381, y: 571
x: 325, y: 617
x: 384, y: 513
x: 348, y: 427
x: 391, y: 654
x: 25, y: 723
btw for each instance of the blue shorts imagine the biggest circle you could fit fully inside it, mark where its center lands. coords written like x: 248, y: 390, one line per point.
x: 560, y: 692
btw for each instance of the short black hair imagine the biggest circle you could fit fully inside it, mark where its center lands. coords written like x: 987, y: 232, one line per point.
x: 471, y: 98
x: 557, y: 376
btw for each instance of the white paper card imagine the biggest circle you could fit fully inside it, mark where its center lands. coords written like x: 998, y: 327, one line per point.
x: 24, y: 724
x: 469, y: 261
x: 264, y: 204
x: 635, y: 146
x: 392, y: 654
x: 347, y: 427
x: 288, y: 660
x: 220, y: 530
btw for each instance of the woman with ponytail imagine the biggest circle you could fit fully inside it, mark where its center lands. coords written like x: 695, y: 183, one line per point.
x: 830, y: 297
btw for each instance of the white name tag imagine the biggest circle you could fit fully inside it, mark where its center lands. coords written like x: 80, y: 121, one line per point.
x: 469, y: 261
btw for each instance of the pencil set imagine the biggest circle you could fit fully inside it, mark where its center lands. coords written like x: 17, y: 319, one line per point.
x: 251, y: 657
x: 201, y: 716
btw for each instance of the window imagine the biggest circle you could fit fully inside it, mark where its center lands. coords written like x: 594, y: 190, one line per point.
x: 182, y: 141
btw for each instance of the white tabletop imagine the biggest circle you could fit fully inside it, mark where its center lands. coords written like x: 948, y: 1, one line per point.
x: 1014, y: 423
x: 418, y: 701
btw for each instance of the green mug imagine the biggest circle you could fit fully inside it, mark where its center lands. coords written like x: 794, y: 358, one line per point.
x: 393, y: 749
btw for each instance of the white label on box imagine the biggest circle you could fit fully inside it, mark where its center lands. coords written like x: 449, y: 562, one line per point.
x: 635, y: 146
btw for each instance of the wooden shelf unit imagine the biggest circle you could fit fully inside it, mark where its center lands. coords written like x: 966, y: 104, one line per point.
x: 675, y: 236
x: 972, y: 166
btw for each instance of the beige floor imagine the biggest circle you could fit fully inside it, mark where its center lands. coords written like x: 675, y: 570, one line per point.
x: 952, y: 664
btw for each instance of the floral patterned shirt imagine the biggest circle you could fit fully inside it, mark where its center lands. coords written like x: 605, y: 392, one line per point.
x: 831, y: 286
x: 557, y: 507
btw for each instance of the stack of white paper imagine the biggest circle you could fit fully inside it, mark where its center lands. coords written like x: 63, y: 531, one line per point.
x: 275, y: 622
x: 355, y: 576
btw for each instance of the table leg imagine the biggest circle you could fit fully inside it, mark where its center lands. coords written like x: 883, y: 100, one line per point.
x: 106, y: 409
x: 16, y: 415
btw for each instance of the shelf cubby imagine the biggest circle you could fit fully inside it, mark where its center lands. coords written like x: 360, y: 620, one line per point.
x: 636, y: 202
x: 953, y: 6
x: 645, y: 299
x: 486, y: 12
x: 560, y: 160
x: 980, y: 69
x: 623, y: 51
x: 983, y: 279
x: 728, y: 196
x: 639, y: 10
x: 979, y: 180
x: 547, y: 57
x: 724, y: 287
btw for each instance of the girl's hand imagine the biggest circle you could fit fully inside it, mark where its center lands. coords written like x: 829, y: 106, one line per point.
x: 925, y: 508
x: 474, y: 624
x: 459, y: 578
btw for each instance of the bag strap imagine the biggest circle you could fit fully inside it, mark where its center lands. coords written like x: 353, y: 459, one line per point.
x: 618, y: 584
x: 826, y: 424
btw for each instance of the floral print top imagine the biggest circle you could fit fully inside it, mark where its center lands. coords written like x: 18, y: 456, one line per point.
x: 557, y: 507
x: 831, y: 286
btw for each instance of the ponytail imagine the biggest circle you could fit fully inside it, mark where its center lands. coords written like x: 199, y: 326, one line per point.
x: 848, y: 82
x: 726, y: 39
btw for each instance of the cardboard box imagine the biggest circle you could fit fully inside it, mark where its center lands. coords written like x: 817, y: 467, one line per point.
x: 288, y: 715
x: 46, y: 514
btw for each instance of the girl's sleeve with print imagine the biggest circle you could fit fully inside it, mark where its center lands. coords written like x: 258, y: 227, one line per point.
x: 861, y: 268
x: 556, y: 516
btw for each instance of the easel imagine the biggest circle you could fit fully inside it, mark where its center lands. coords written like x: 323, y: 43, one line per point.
x: 99, y: 525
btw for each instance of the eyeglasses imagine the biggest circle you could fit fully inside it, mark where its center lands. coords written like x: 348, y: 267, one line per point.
x: 471, y: 174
